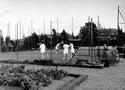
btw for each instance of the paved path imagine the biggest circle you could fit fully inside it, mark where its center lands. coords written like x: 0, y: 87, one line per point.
x: 112, y: 78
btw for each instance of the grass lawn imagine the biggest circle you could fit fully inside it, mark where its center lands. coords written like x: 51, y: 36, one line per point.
x: 36, y: 55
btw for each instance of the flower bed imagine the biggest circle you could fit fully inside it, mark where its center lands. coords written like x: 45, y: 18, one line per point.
x: 28, y: 79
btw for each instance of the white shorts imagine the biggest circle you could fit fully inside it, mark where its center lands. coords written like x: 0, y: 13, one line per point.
x: 42, y: 51
x: 65, y: 51
x: 72, y: 51
x: 56, y: 48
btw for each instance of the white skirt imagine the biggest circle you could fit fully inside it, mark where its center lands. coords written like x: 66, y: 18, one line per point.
x: 65, y: 51
x: 42, y: 51
x: 72, y: 50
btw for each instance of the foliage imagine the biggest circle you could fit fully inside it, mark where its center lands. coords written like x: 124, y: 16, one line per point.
x: 85, y: 33
x: 7, y: 40
x: 120, y: 37
x: 64, y: 36
x: 55, y: 73
x: 2, y: 40
x: 27, y: 43
x: 54, y: 33
x: 34, y: 40
x: 29, y: 79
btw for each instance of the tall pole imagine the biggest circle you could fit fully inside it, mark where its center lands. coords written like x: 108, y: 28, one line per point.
x: 31, y: 34
x: 17, y: 40
x: 50, y: 40
x: 8, y: 34
x: 15, y: 31
x: 57, y: 25
x: 44, y: 30
x: 23, y: 32
x: 91, y: 42
x: 29, y: 45
x: 8, y: 28
x: 119, y: 14
x: 89, y: 35
x: 98, y: 39
x: 31, y: 26
x: 20, y: 29
x: 72, y: 26
x: 57, y: 29
x: 118, y: 26
x: 20, y: 33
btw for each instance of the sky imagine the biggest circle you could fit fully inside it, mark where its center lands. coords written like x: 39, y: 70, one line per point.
x: 33, y: 13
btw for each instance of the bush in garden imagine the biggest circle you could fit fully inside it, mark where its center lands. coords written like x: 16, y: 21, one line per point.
x: 55, y: 73
x: 39, y: 77
x: 19, y: 69
x: 29, y: 79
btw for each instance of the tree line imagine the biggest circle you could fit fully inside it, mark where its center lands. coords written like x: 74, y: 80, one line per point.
x: 87, y: 33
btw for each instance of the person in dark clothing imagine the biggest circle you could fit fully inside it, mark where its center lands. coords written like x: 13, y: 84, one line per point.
x: 105, y: 56
x: 105, y: 48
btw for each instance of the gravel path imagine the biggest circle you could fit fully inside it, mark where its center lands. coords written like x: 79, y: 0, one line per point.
x: 112, y: 78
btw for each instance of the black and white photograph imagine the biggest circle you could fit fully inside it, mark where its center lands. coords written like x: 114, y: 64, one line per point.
x: 62, y: 45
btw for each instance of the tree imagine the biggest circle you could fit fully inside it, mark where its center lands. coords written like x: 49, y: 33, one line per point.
x: 120, y: 37
x: 7, y: 40
x: 13, y: 43
x: 55, y: 38
x: 64, y: 36
x: 54, y: 32
x: 42, y: 37
x: 85, y: 33
x: 47, y: 41
x: 34, y: 40
x: 2, y: 40
x: 27, y: 43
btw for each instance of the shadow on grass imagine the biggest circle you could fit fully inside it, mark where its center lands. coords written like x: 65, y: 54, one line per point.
x: 47, y: 62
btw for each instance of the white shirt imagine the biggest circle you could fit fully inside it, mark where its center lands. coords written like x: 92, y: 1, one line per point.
x: 71, y: 45
x: 57, y: 46
x: 66, y: 49
x: 72, y: 48
x: 42, y: 48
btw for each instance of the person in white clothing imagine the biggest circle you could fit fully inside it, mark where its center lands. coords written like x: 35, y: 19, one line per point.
x: 42, y: 49
x: 72, y: 50
x: 66, y: 51
x: 57, y: 47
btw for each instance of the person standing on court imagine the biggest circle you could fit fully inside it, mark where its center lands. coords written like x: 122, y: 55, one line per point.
x: 105, y: 48
x: 72, y: 50
x: 66, y: 51
x: 57, y: 47
x: 42, y: 49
